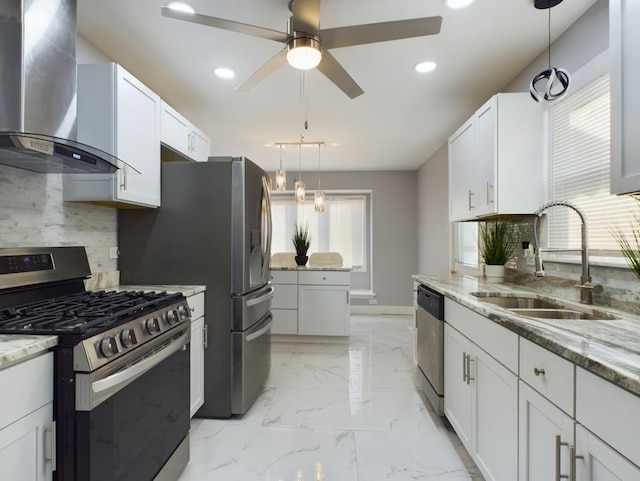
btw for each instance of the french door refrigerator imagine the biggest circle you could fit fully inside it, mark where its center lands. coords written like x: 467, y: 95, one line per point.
x: 213, y: 228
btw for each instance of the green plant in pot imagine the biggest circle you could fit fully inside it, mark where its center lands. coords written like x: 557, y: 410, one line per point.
x: 631, y: 247
x: 301, y: 241
x: 497, y: 246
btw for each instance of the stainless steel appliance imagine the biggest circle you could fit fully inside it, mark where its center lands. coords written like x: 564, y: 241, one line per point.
x: 430, y: 346
x: 213, y: 228
x: 118, y: 355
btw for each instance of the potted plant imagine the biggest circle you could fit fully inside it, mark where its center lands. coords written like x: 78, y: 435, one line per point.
x: 497, y: 246
x: 630, y: 248
x: 301, y: 241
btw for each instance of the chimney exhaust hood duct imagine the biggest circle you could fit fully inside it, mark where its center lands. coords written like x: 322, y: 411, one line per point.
x: 38, y: 90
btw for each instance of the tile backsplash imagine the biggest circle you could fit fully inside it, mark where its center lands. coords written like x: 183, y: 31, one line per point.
x: 32, y: 213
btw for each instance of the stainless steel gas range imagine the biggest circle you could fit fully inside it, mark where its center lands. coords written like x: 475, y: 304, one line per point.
x: 121, y: 388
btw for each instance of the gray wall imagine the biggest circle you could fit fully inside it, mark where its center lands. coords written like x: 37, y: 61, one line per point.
x: 585, y: 40
x: 394, y: 222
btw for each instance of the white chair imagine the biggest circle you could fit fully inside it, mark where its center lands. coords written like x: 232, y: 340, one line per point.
x: 325, y: 259
x: 283, y: 259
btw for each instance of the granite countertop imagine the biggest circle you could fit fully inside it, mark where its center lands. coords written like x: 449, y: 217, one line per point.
x: 187, y: 290
x: 311, y: 268
x: 609, y: 348
x: 15, y: 348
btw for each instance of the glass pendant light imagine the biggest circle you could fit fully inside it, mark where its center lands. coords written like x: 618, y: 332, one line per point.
x: 281, y: 176
x: 318, y: 198
x: 299, y: 185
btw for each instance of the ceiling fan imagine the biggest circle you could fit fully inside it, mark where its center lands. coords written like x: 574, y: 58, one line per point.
x: 307, y: 46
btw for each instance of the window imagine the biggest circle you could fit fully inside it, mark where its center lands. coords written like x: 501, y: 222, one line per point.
x: 342, y: 227
x: 467, y: 245
x: 579, y: 170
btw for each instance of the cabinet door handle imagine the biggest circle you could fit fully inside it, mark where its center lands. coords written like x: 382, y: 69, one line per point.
x: 559, y: 444
x: 205, y: 336
x: 490, y: 191
x: 471, y: 204
x: 50, y: 431
x: 538, y: 372
x: 573, y: 457
x: 469, y: 361
x: 464, y: 367
x: 123, y: 185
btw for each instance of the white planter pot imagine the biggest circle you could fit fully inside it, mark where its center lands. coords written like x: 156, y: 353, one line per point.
x: 494, y: 273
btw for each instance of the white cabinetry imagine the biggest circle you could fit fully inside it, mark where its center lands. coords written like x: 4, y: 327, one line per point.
x: 284, y: 305
x: 481, y: 394
x: 323, y: 303
x: 198, y: 345
x: 496, y: 160
x: 120, y: 115
x: 624, y: 41
x: 182, y: 136
x: 27, y: 430
x: 313, y: 302
x: 599, y: 462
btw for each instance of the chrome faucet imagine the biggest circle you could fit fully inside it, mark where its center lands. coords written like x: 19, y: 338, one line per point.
x: 586, y: 287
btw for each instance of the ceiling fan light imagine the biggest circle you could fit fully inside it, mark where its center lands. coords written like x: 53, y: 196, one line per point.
x: 181, y: 7
x: 303, y: 53
x: 457, y: 3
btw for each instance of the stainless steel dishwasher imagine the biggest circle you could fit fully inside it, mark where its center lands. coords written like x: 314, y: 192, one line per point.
x: 430, y: 346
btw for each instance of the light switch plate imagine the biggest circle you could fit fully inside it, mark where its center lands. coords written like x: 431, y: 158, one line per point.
x: 113, y: 253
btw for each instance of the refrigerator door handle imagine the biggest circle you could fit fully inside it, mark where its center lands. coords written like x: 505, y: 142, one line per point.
x: 262, y: 298
x: 266, y: 254
x: 260, y: 332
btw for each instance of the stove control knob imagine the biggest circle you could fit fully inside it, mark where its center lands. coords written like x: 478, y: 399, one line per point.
x: 152, y: 325
x: 183, y: 312
x: 108, y: 347
x: 172, y: 316
x: 128, y: 337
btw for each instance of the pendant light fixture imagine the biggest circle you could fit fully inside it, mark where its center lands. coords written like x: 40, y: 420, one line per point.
x: 318, y: 198
x: 299, y: 190
x: 557, y: 79
x: 281, y: 176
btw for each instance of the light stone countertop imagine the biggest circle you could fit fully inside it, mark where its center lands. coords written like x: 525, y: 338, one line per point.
x: 187, y: 290
x: 312, y: 268
x: 609, y: 348
x: 15, y: 348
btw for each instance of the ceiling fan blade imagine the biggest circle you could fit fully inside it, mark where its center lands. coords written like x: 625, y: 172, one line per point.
x: 330, y: 67
x: 380, y: 32
x: 225, y: 24
x: 273, y: 64
x: 306, y: 15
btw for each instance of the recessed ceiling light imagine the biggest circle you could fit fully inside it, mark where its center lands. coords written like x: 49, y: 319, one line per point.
x: 181, y: 7
x: 457, y: 3
x: 224, y: 72
x: 424, y: 67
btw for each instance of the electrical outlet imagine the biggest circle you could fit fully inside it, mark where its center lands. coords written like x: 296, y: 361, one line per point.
x: 373, y: 301
x: 114, y: 253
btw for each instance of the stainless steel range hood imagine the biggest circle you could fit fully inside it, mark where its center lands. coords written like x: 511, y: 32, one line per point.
x: 38, y: 90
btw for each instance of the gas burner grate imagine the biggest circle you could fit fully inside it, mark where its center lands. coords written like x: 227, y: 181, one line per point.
x: 82, y: 313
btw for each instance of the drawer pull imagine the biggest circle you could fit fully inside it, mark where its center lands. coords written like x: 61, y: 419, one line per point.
x: 538, y: 372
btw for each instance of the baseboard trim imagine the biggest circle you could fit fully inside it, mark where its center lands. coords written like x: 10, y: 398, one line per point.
x: 375, y: 309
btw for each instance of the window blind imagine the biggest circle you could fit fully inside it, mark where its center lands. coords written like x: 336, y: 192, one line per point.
x: 579, y: 170
x: 342, y: 227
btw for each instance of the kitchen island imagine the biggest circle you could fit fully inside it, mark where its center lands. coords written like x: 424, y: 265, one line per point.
x: 311, y: 301
x: 537, y: 398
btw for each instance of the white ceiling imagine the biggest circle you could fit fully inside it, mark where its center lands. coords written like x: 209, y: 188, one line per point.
x: 399, y: 122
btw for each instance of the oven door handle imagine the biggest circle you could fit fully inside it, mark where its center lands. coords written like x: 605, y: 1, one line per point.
x: 262, y: 298
x: 263, y: 330
x: 124, y: 377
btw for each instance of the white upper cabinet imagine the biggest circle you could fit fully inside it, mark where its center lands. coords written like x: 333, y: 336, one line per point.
x: 182, y: 136
x: 496, y: 160
x: 624, y: 42
x: 120, y: 115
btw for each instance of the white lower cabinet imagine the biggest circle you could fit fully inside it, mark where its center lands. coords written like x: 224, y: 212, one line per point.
x: 481, y: 402
x: 27, y: 430
x: 545, y: 437
x: 198, y: 345
x: 597, y: 461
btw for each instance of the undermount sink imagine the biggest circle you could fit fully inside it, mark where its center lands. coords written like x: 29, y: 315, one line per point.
x: 520, y: 302
x: 558, y: 314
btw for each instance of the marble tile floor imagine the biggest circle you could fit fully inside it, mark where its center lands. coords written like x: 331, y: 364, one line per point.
x: 352, y: 407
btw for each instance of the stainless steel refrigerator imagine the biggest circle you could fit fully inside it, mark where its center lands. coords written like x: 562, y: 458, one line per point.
x: 213, y: 228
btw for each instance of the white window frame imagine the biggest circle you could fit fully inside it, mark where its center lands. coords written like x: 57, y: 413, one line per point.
x: 456, y: 266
